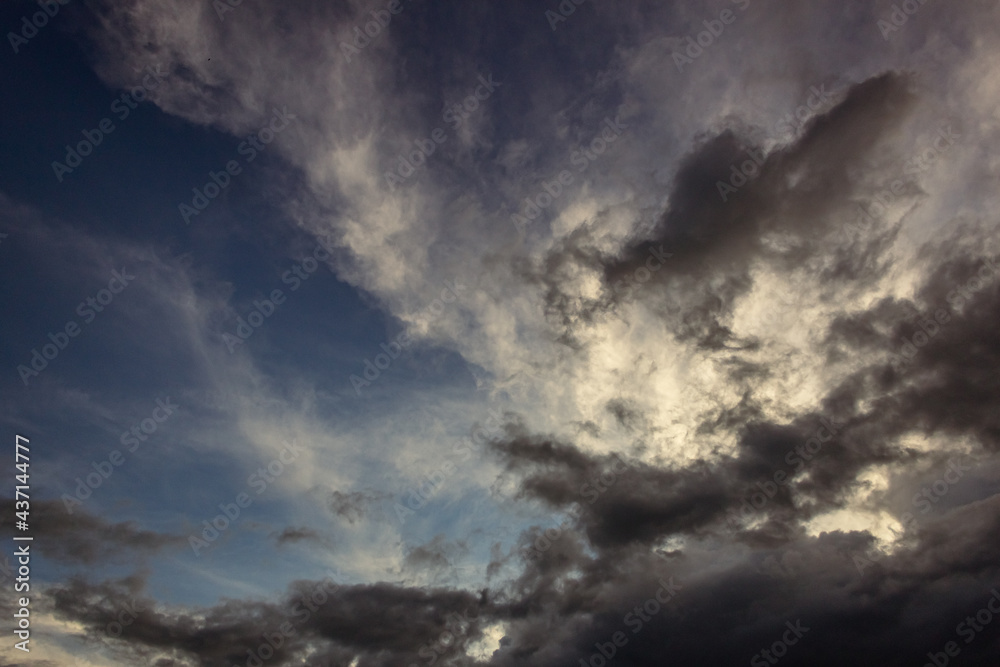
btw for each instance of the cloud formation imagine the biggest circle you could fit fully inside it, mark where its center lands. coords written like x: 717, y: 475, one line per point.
x: 741, y: 349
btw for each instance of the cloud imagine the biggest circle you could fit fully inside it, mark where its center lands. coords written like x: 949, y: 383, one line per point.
x: 800, y: 192
x: 381, y: 623
x: 296, y: 535
x: 772, y: 314
x: 82, y: 538
x: 354, y: 505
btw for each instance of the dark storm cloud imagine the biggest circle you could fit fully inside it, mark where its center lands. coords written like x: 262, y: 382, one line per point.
x: 385, y: 624
x: 850, y: 601
x: 931, y: 372
x: 802, y: 190
x: 817, y: 456
x: 856, y: 603
x: 84, y: 538
x: 215, y: 637
x: 621, y: 502
x: 805, y: 468
x: 950, y: 384
x: 938, y: 352
x: 729, y: 616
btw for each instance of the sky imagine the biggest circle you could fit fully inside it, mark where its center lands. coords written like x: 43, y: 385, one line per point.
x: 530, y: 333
